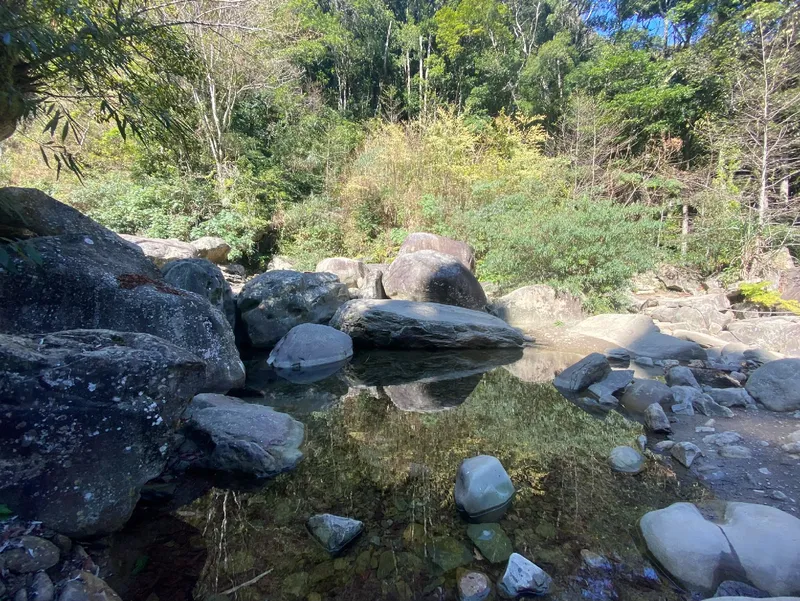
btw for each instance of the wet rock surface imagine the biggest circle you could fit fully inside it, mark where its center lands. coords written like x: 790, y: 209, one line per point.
x: 483, y: 490
x: 334, y: 532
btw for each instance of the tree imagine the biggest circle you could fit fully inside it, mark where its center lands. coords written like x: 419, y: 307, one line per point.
x: 125, y: 56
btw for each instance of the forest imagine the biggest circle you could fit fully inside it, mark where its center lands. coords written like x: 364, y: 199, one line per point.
x: 573, y: 142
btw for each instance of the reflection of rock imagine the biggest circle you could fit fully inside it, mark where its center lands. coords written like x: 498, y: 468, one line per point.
x: 427, y: 397
x: 293, y: 396
x: 389, y: 368
x: 542, y: 365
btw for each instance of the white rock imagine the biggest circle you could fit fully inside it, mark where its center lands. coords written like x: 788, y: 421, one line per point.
x: 523, y: 577
x: 483, y: 489
x: 656, y: 420
x: 685, y: 452
x: 626, y: 460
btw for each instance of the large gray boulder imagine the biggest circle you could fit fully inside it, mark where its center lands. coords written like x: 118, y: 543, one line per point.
x: 639, y: 335
x: 405, y: 324
x: 244, y: 438
x: 100, y: 282
x: 643, y: 393
x: 707, y: 313
x: 202, y: 277
x: 91, y: 415
x: 751, y: 543
x: 424, y: 241
x: 776, y: 385
x: 535, y: 306
x: 430, y: 276
x: 780, y: 334
x: 790, y: 284
x: 587, y: 371
x: 274, y: 302
x: 163, y: 250
x: 351, y: 272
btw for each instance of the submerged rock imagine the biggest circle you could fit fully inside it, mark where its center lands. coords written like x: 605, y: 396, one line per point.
x: 474, y: 586
x: 431, y: 397
x: 626, y: 460
x: 448, y: 553
x: 523, y: 577
x: 483, y: 491
x: 433, y: 277
x: 244, y: 438
x: 585, y: 372
x: 334, y: 532
x: 274, y: 302
x: 491, y: 541
x: 541, y: 365
x: 412, y: 325
x: 97, y: 410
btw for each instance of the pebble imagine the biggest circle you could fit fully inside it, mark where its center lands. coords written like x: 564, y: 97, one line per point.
x: 704, y: 429
x: 763, y: 443
x: 764, y: 471
x: 474, y: 586
x: 710, y: 423
x: 778, y: 495
x: 664, y: 445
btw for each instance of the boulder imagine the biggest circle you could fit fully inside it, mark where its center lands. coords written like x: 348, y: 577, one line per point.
x: 626, y: 460
x: 535, y: 306
x: 279, y: 263
x: 779, y: 334
x: 161, y: 251
x: 681, y: 376
x: 85, y: 586
x: 766, y: 541
x: 27, y: 212
x: 776, y: 385
x: 430, y: 276
x: 730, y: 397
x: 424, y: 241
x: 244, y: 438
x: 309, y: 346
x: 372, y: 288
x: 643, y: 393
x: 274, y: 302
x: 688, y: 546
x: 202, y: 277
x: 85, y: 282
x: 613, y: 382
x: 790, y: 284
x: 753, y: 543
x: 732, y: 588
x: 213, y: 248
x: 678, y: 279
x: 405, y: 325
x: 585, y: 372
x: 656, y: 419
x: 483, y: 491
x: 28, y: 554
x: 97, y: 411
x: 639, y: 335
x: 523, y: 578
x: 351, y: 273
x: 334, y: 532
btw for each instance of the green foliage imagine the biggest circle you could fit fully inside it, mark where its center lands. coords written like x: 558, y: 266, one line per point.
x: 759, y: 293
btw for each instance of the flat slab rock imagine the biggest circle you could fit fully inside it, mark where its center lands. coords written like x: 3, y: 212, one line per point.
x: 751, y: 543
x: 407, y: 324
x: 639, y: 335
x: 244, y: 437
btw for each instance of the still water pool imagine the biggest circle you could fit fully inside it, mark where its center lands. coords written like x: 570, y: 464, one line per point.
x: 384, y: 438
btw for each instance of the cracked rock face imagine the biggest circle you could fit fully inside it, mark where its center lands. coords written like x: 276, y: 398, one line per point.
x: 94, y: 412
x: 751, y: 543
